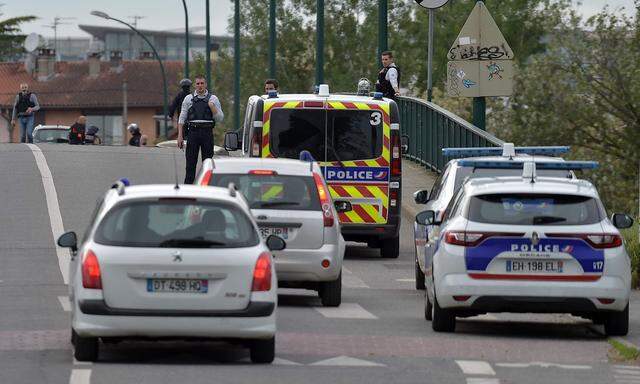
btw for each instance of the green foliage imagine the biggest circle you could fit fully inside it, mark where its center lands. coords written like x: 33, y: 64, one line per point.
x: 632, y: 245
x: 10, y: 37
x: 625, y: 350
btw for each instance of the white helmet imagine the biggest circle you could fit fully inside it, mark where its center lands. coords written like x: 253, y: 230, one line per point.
x: 364, y: 86
x: 133, y: 128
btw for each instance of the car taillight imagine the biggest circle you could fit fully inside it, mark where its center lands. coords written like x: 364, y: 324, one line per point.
x: 325, y: 201
x: 471, y: 239
x: 595, y: 240
x: 206, y: 178
x: 256, y: 143
x: 262, y: 273
x: 396, y: 161
x: 91, y: 276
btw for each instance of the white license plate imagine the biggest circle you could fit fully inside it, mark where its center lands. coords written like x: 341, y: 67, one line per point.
x: 534, y: 266
x: 177, y: 285
x: 268, y: 231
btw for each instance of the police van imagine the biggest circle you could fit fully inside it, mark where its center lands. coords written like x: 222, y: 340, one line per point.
x: 355, y: 139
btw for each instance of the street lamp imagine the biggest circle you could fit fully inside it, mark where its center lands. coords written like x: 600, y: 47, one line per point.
x: 186, y: 40
x: 155, y: 53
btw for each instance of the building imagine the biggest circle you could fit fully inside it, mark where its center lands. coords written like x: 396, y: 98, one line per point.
x: 94, y: 88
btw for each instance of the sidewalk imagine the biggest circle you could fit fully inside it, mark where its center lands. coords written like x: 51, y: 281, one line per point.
x: 414, y: 177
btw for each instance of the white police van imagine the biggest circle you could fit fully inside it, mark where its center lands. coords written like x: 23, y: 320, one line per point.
x: 528, y: 244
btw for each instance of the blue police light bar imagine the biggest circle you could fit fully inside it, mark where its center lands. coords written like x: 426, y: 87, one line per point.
x: 508, y: 164
x: 306, y: 156
x: 497, y: 151
x: 273, y: 94
x: 378, y: 95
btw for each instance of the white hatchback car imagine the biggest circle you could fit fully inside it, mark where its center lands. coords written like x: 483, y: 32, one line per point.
x: 165, y: 261
x: 528, y: 244
x: 289, y: 198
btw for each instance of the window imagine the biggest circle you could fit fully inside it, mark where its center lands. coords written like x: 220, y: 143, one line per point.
x: 295, y: 130
x: 534, y: 209
x: 354, y: 135
x: 439, y: 183
x: 110, y: 127
x: 273, y: 191
x: 248, y: 124
x: 182, y: 223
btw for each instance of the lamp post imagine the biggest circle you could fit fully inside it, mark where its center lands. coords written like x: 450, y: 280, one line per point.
x: 382, y: 29
x: 207, y: 59
x: 236, y: 64
x: 155, y: 53
x: 186, y: 40
x: 320, y: 42
x: 272, y: 39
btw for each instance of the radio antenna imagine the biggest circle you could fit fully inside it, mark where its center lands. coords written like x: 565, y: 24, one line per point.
x: 175, y: 168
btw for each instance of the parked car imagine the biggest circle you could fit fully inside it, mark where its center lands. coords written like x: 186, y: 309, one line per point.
x: 51, y: 134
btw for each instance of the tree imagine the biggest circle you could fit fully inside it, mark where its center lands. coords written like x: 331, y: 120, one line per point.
x: 10, y: 37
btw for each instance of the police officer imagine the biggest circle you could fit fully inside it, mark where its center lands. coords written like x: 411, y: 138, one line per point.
x: 134, y: 130
x: 389, y: 77
x: 270, y: 85
x: 176, y: 104
x: 200, y: 112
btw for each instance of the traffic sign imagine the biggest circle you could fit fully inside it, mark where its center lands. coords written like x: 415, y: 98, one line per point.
x: 432, y: 4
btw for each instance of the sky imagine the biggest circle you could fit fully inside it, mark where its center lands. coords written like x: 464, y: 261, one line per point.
x: 165, y: 14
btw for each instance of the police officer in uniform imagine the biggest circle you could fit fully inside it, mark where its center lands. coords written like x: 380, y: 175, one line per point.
x: 200, y: 112
x: 389, y: 77
x: 176, y: 104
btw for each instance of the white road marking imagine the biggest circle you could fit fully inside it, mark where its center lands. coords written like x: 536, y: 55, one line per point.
x: 279, y: 361
x: 57, y: 228
x: 351, y: 281
x: 632, y: 367
x: 470, y: 367
x: 627, y: 372
x: 406, y: 280
x: 346, y: 311
x: 76, y: 362
x: 346, y: 361
x: 80, y: 376
x: 482, y: 380
x: 543, y: 365
x: 65, y: 303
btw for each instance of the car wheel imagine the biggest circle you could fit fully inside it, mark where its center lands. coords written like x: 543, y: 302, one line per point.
x: 444, y: 320
x: 428, y: 307
x: 331, y: 292
x: 390, y: 248
x: 74, y: 336
x: 86, y: 348
x: 617, y: 323
x: 419, y: 277
x: 263, y: 351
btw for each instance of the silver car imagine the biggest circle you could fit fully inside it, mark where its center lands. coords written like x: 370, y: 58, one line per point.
x: 51, y: 134
x: 290, y: 199
x: 164, y: 261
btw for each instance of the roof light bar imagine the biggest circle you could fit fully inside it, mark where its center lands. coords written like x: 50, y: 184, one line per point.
x: 561, y: 165
x: 499, y: 151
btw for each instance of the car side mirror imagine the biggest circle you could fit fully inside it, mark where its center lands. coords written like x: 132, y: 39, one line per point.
x: 231, y: 141
x: 68, y: 240
x: 275, y: 243
x: 621, y: 220
x: 343, y: 206
x: 404, y: 144
x: 426, y: 218
x: 421, y: 197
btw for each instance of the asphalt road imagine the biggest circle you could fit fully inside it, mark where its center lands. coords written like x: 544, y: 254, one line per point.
x: 378, y: 335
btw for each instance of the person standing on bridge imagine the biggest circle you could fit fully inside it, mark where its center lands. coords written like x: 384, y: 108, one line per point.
x: 25, y: 105
x: 270, y: 85
x: 389, y: 77
x: 200, y: 112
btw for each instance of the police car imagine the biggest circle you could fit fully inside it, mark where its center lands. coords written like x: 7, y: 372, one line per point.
x: 356, y: 140
x: 289, y: 199
x: 528, y: 244
x: 456, y: 172
x: 166, y: 261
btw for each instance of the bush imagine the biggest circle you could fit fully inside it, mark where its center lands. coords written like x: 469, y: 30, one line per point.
x: 632, y: 244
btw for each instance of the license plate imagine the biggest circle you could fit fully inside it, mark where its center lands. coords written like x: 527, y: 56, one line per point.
x: 268, y: 231
x: 534, y: 266
x: 177, y: 285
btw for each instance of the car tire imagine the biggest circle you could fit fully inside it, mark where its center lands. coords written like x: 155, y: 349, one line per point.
x: 617, y: 323
x: 444, y: 320
x: 428, y: 307
x: 85, y: 348
x: 419, y: 277
x: 263, y: 351
x: 390, y: 248
x: 330, y: 292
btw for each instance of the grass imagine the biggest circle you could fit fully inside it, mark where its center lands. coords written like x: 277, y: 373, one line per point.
x: 624, y: 351
x: 632, y: 244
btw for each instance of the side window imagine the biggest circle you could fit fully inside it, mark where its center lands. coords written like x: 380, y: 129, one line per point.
x: 440, y: 182
x: 96, y: 210
x: 248, y: 123
x: 454, y: 205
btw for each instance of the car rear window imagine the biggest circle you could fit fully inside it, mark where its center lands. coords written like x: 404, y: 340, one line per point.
x: 330, y: 135
x: 534, y: 209
x: 285, y: 192
x: 176, y: 223
x: 51, y: 135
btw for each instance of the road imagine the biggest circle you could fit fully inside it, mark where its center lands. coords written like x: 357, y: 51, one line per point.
x: 378, y: 335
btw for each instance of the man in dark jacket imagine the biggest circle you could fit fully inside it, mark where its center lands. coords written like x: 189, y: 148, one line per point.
x: 77, y: 131
x: 176, y: 104
x: 24, y: 108
x: 389, y: 77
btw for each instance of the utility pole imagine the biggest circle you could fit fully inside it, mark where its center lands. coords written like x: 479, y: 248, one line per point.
x: 236, y: 63
x: 320, y: 42
x: 208, y: 47
x: 125, y: 113
x: 186, y: 40
x: 382, y: 29
x: 56, y: 22
x: 135, y: 19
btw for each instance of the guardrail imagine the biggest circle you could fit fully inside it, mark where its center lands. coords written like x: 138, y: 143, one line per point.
x: 431, y: 128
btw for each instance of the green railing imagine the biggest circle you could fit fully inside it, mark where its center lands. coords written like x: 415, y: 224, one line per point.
x: 431, y: 128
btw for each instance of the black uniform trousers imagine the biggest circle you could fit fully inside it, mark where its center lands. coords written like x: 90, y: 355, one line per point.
x: 198, y: 139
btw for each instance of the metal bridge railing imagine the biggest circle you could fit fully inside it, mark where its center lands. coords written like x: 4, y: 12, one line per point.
x: 431, y: 128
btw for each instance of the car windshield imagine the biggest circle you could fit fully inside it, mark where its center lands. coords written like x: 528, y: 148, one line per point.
x: 176, y: 223
x: 51, y: 135
x: 283, y: 192
x: 534, y: 209
x: 330, y: 135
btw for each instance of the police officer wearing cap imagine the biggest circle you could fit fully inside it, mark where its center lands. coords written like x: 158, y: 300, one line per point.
x: 176, y: 104
x: 200, y: 112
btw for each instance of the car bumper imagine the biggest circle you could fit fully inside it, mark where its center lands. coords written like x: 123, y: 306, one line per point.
x: 302, y: 265
x: 364, y: 233
x: 532, y: 296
